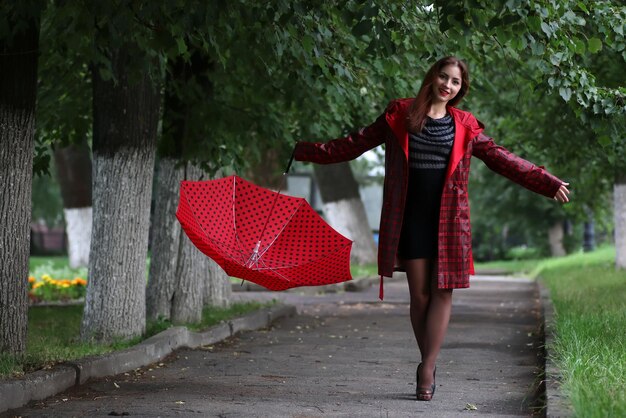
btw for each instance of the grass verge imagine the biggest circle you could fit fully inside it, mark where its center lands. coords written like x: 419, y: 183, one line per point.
x: 589, y: 298
x: 53, y: 336
x: 590, y: 348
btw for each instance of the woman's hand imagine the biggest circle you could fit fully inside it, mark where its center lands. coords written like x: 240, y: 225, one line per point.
x: 561, y: 194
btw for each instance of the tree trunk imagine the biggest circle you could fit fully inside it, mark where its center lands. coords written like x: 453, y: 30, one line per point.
x: 268, y: 172
x: 124, y: 141
x: 165, y: 240
x: 18, y: 87
x: 73, y: 164
x: 555, y: 238
x: 182, y: 279
x: 344, y: 210
x: 218, y: 290
x: 589, y: 234
x: 180, y: 275
x: 619, y: 213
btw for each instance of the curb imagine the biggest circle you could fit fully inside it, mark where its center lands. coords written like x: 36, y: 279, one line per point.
x: 556, y: 403
x: 45, y: 383
x: 357, y: 285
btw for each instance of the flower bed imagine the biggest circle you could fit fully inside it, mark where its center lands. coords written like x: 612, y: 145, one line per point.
x: 51, y: 281
x: 49, y: 289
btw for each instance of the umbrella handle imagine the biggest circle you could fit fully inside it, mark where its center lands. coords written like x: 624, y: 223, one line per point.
x: 290, y: 161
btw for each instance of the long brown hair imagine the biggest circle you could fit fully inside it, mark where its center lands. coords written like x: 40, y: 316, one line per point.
x: 421, y: 105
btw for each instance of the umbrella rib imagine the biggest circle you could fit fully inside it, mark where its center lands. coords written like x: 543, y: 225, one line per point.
x: 273, y: 270
x: 281, y: 230
x: 308, y: 262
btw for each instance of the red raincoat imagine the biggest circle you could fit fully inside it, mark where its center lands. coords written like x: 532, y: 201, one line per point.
x: 454, y: 261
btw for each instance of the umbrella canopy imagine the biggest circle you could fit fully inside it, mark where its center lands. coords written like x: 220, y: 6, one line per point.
x: 276, y: 241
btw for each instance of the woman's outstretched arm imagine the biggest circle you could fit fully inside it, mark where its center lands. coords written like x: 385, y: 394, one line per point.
x: 519, y: 170
x: 343, y: 149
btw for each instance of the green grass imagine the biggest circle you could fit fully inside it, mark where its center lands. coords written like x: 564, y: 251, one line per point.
x: 54, y: 262
x: 53, y: 336
x: 518, y: 267
x: 368, y: 270
x: 589, y: 298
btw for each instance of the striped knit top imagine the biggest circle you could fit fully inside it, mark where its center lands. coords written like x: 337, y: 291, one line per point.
x: 430, y: 149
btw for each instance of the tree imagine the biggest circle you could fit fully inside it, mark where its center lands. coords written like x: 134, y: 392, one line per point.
x: 64, y: 124
x: 344, y: 209
x: 178, y: 270
x: 125, y: 116
x: 73, y: 166
x: 18, y: 88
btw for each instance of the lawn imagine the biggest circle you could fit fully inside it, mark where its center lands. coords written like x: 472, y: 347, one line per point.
x: 53, y: 331
x: 589, y: 298
x: 53, y: 335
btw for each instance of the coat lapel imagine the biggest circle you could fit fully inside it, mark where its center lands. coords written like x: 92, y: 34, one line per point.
x: 397, y: 123
x: 460, y: 142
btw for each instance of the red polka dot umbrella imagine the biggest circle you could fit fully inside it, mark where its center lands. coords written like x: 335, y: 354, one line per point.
x: 276, y: 241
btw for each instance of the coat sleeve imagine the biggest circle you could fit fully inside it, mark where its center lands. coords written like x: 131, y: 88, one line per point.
x: 504, y: 162
x: 343, y: 149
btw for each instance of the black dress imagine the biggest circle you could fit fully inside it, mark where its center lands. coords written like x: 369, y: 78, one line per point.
x: 429, y: 152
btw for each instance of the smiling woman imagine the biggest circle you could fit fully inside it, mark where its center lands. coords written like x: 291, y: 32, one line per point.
x: 425, y: 225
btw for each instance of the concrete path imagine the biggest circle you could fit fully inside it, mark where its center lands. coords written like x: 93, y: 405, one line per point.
x: 345, y: 355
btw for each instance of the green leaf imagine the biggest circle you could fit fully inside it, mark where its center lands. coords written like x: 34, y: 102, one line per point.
x: 595, y: 45
x: 182, y: 46
x: 579, y: 46
x: 534, y: 22
x: 307, y: 43
x: 546, y: 29
x: 566, y: 93
x: 537, y: 48
x: 583, y: 7
x: 604, y: 140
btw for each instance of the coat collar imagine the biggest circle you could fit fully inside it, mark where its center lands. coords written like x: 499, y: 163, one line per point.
x: 396, y: 116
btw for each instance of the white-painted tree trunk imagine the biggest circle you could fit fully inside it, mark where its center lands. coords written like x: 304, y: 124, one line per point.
x: 115, y: 302
x: 182, y: 279
x: 78, y: 228
x: 348, y: 217
x: 619, y: 214
x: 125, y: 119
x: 555, y: 238
x: 217, y: 289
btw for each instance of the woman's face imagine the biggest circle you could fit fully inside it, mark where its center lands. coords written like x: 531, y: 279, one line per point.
x: 447, y: 83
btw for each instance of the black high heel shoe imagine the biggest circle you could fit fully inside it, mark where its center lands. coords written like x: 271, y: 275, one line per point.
x: 425, y: 394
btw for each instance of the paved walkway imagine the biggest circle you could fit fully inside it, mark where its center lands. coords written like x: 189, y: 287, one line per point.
x: 346, y: 355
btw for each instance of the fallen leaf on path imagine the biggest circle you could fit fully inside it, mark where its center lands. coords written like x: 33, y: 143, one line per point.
x: 470, y: 407
x: 180, y: 402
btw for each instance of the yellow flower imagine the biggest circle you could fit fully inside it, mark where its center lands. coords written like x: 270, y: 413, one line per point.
x: 79, y: 282
x: 37, y: 285
x: 31, y: 279
x: 65, y: 285
x: 65, y: 282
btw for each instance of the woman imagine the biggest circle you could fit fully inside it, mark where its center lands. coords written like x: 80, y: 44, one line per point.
x: 425, y: 226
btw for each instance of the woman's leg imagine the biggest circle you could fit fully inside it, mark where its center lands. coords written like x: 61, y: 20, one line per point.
x: 418, y: 276
x: 430, y: 313
x: 437, y: 319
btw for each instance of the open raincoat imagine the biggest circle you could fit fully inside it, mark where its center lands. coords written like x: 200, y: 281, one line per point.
x: 454, y: 260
